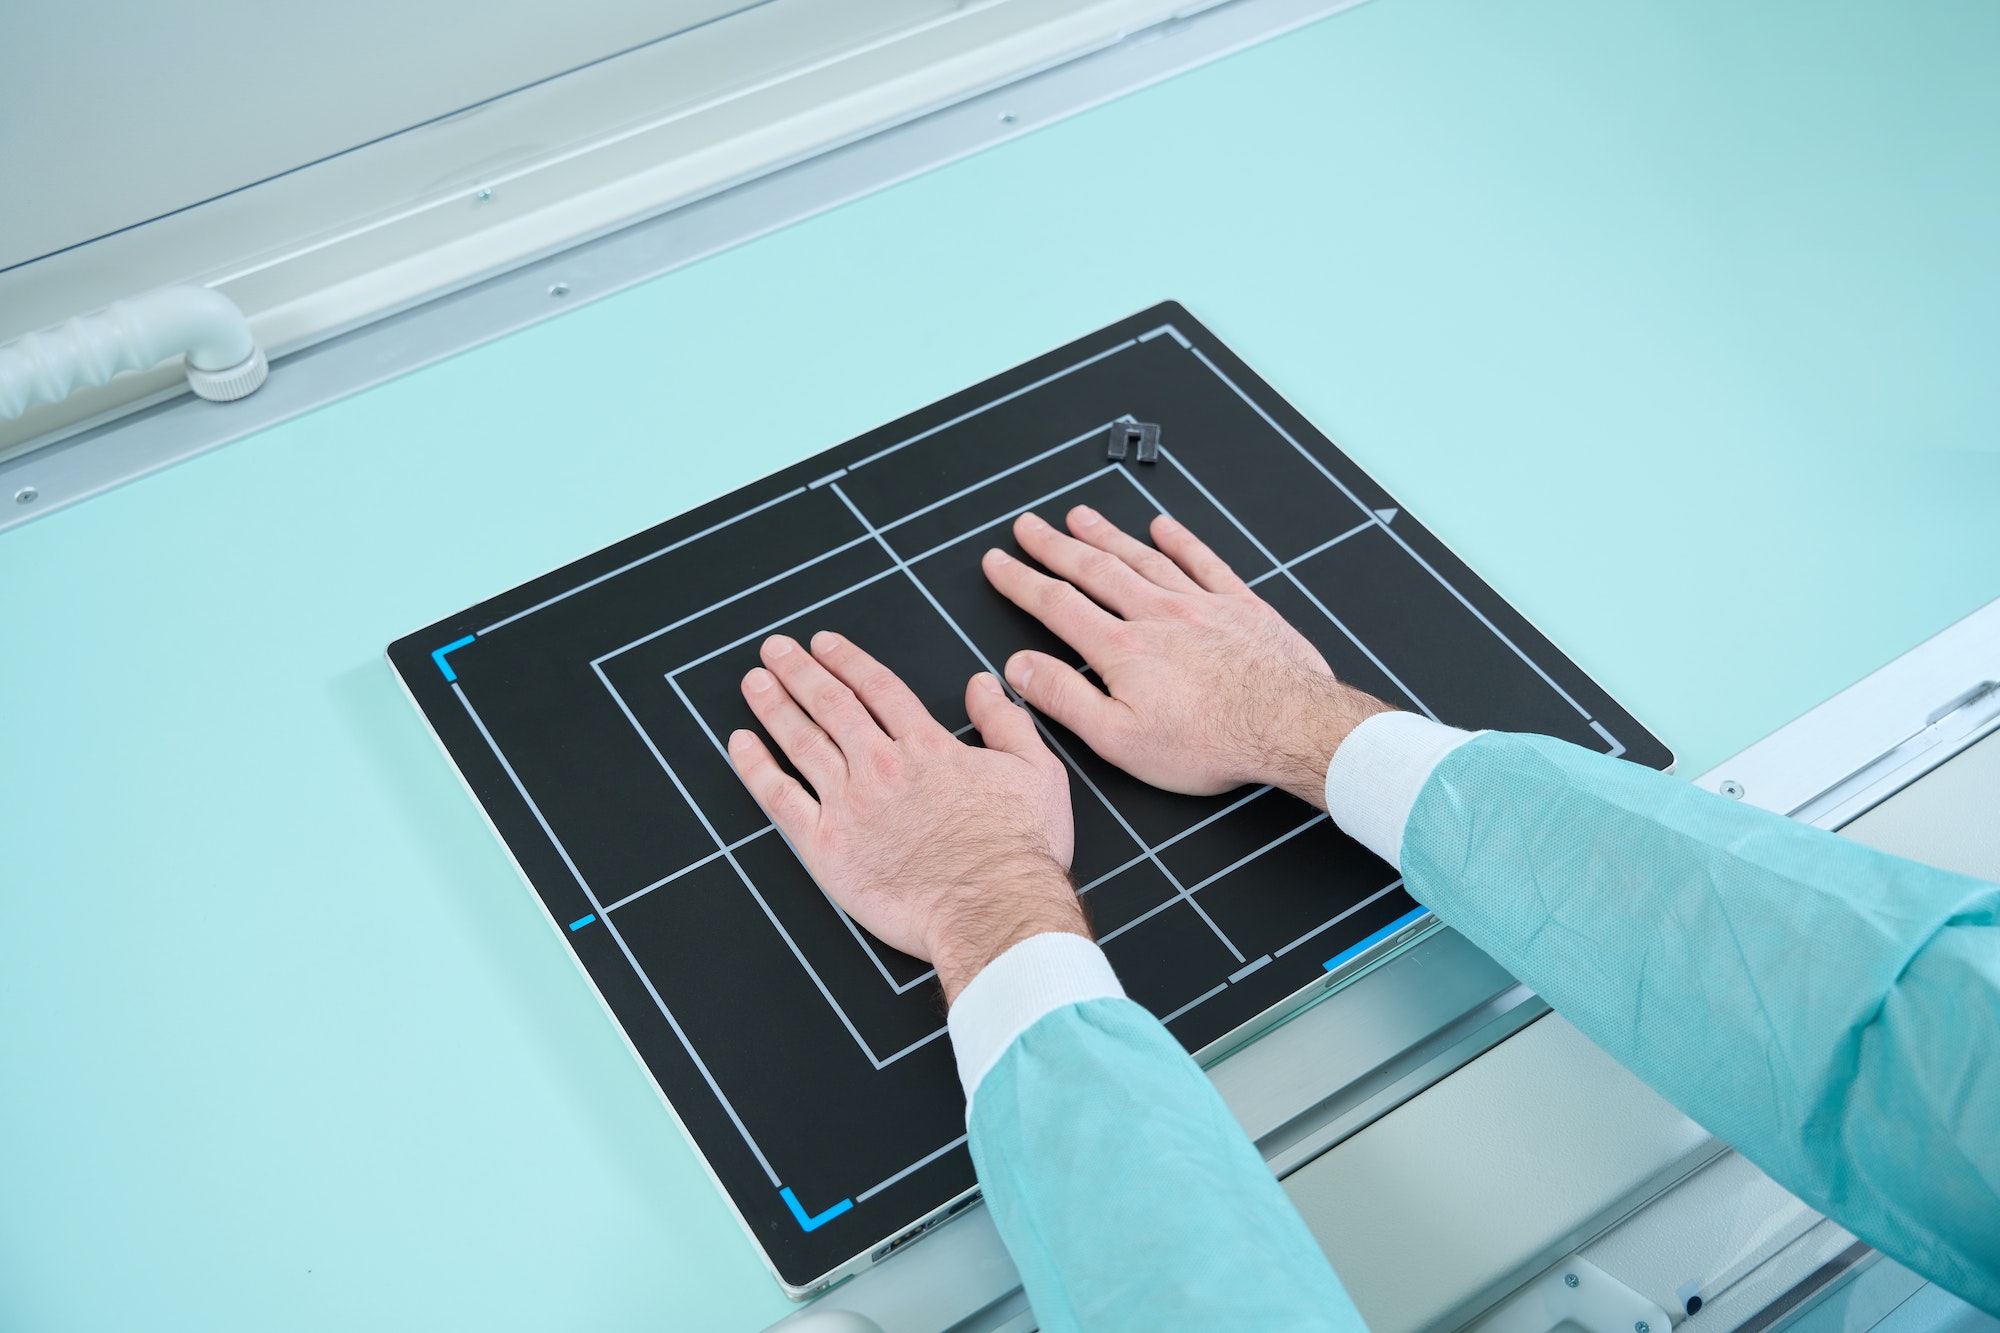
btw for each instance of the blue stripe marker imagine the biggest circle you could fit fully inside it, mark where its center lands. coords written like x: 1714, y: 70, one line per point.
x: 1377, y: 937
x: 812, y: 1223
x: 437, y: 655
x: 582, y: 921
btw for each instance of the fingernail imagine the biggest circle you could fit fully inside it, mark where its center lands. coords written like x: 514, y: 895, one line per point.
x: 987, y: 683
x: 1020, y: 671
x: 1033, y: 521
x: 1085, y: 515
x: 758, y: 680
x: 995, y: 553
x: 825, y: 639
x: 777, y: 645
x: 738, y: 737
x: 1167, y: 524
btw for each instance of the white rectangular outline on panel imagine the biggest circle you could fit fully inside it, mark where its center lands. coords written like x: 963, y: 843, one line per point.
x: 726, y: 851
x: 1182, y: 893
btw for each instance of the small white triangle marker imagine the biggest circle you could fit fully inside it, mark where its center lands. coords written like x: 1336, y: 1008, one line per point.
x: 1387, y: 515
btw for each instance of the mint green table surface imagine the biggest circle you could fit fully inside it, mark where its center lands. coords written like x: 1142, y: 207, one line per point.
x: 1678, y: 320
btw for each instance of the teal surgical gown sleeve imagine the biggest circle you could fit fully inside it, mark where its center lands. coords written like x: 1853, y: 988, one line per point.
x: 1127, y: 1194
x: 1829, y: 1010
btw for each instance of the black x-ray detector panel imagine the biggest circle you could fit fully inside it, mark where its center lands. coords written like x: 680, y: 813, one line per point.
x: 587, y: 709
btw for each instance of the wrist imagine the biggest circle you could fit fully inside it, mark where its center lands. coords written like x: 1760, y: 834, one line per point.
x: 1322, y: 714
x: 997, y: 910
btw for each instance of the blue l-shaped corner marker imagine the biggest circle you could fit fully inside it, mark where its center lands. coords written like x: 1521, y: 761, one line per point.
x: 1375, y: 939
x: 812, y: 1223
x: 437, y: 655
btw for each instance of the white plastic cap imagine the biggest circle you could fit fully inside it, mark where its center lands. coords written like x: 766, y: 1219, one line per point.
x: 239, y: 381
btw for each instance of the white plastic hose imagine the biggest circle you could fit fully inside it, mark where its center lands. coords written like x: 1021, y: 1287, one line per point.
x: 224, y: 361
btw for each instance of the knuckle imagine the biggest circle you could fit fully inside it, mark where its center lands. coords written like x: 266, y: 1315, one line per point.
x: 885, y: 765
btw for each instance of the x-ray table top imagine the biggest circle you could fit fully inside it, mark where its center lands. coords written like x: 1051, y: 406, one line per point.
x: 586, y: 711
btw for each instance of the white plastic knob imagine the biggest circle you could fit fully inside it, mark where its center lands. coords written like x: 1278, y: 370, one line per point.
x: 226, y: 386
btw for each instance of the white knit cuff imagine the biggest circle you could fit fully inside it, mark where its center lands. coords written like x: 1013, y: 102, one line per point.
x: 1375, y: 775
x: 1010, y: 994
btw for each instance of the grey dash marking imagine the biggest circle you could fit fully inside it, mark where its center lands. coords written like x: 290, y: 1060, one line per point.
x: 623, y: 947
x: 915, y: 1166
x: 1243, y: 972
x: 1376, y: 896
x: 654, y: 555
x: 834, y: 475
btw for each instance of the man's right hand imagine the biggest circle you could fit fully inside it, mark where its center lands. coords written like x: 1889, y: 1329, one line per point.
x: 1206, y: 687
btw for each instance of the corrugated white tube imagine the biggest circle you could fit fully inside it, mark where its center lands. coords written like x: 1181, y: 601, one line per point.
x: 224, y: 361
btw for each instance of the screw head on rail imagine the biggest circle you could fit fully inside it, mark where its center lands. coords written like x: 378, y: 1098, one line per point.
x: 1733, y: 790
x: 1569, y: 1279
x: 484, y: 196
x: 558, y: 290
x: 1642, y: 1327
x: 27, y: 495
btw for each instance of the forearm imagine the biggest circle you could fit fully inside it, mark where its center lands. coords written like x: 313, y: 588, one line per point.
x: 1127, y: 1194
x: 1827, y: 1009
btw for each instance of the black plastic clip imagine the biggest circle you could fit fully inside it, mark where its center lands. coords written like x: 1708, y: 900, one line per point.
x: 1145, y: 434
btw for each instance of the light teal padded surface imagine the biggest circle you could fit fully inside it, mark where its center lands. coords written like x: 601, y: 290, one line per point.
x: 1677, y: 319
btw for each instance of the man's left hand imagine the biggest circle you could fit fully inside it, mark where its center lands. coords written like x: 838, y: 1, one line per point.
x: 944, y: 850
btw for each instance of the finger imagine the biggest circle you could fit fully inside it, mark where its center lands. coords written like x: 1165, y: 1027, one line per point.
x: 778, y: 792
x: 1092, y: 527
x: 1078, y: 621
x: 1104, y: 576
x: 826, y: 700
x: 811, y: 750
x: 1188, y: 551
x: 1061, y: 691
x: 895, y: 705
x: 1002, y: 723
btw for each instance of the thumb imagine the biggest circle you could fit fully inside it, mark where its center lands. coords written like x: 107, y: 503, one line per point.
x: 1002, y: 725
x: 1061, y: 691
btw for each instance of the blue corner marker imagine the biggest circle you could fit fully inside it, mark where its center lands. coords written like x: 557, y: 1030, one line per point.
x: 583, y: 921
x: 812, y: 1223
x: 437, y: 655
x: 1377, y: 937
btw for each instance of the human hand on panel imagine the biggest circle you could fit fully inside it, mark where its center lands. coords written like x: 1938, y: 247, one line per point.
x: 1205, y: 686
x: 947, y: 851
